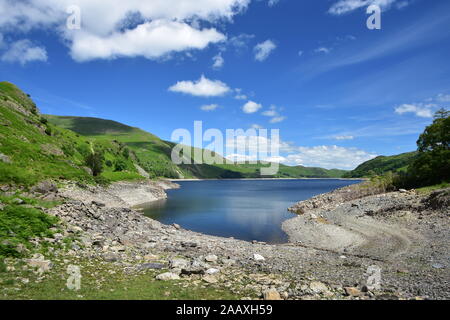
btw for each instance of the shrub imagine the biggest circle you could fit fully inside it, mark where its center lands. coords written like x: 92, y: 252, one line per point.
x: 43, y: 120
x: 95, y: 162
x: 120, y: 165
x: 126, y: 153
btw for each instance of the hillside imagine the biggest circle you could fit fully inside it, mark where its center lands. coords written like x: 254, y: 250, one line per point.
x: 32, y: 149
x: 383, y: 164
x: 153, y: 154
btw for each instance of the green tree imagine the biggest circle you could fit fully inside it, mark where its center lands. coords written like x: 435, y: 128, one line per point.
x: 95, y: 162
x: 432, y: 166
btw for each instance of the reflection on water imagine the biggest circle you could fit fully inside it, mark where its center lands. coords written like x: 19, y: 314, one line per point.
x: 243, y: 209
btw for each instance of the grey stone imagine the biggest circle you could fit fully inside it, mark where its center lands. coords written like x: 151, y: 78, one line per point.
x: 167, y: 276
x: 211, y: 258
x: 318, y: 287
x: 154, y: 266
x: 44, y: 187
x: 110, y: 257
x: 179, y: 263
x: 258, y: 257
x: 5, y: 158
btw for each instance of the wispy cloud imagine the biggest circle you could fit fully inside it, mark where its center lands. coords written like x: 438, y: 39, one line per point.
x: 209, y: 107
x: 218, y: 61
x: 420, y: 109
x: 24, y: 51
x: 322, y: 50
x: 342, y: 138
x: 346, y: 6
x: 264, y: 49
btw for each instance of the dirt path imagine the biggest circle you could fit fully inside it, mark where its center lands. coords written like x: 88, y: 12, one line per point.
x: 350, y: 228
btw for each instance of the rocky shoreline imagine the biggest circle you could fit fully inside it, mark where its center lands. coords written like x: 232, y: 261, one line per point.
x: 333, y: 244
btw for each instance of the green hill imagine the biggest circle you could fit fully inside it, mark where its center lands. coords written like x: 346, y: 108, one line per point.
x: 383, y: 164
x: 32, y: 149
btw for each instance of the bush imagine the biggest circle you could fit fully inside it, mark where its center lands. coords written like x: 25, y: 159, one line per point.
x: 126, y: 153
x: 120, y: 165
x: 95, y: 162
x: 384, y: 183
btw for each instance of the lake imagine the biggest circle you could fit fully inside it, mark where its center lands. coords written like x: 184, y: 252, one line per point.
x: 243, y: 209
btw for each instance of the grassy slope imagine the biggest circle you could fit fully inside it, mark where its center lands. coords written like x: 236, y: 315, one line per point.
x: 382, y: 164
x: 153, y: 154
x: 102, y: 281
x: 40, y: 150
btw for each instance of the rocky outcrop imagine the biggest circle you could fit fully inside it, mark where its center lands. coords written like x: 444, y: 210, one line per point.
x: 120, y: 194
x: 334, y: 198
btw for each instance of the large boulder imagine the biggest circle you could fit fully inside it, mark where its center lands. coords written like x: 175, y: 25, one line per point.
x: 271, y: 294
x: 45, y: 187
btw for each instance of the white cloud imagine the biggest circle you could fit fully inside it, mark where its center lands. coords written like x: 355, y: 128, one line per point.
x: 24, y: 51
x: 342, y: 138
x: 402, y: 4
x: 271, y: 3
x: 329, y: 157
x: 273, y: 112
x: 151, y: 29
x: 150, y: 40
x: 251, y: 107
x: 264, y: 49
x: 277, y: 119
x: 209, y: 107
x: 300, y: 53
x: 256, y: 126
x: 443, y: 97
x: 346, y: 6
x: 322, y: 50
x: 201, y: 88
x: 218, y: 61
x: 420, y: 109
x: 240, y: 97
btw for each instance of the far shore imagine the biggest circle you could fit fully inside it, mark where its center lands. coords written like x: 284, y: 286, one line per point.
x: 263, y: 179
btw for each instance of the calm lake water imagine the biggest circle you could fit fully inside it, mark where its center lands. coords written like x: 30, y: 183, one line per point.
x: 243, y: 209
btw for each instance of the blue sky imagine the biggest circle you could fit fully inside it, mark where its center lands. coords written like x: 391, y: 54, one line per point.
x: 339, y: 93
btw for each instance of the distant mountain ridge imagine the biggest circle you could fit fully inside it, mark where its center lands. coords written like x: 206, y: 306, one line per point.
x: 152, y: 152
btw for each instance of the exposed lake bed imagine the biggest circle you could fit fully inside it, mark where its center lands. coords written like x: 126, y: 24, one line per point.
x: 403, y: 234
